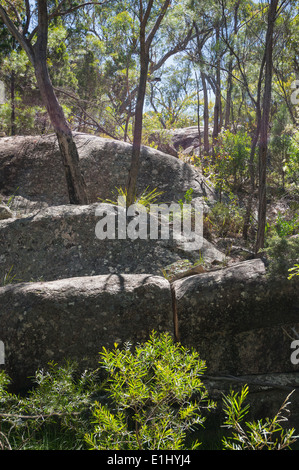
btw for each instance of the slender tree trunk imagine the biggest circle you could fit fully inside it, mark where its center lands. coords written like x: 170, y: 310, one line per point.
x: 254, y: 143
x: 217, y: 107
x: 134, y: 168
x: 68, y: 150
x: 69, y: 154
x: 13, y: 104
x: 263, y: 145
x: 206, y: 145
x: 229, y: 88
x: 252, y: 181
x: 37, y: 55
x: 145, y: 44
x: 230, y: 70
x: 198, y: 116
x: 200, y: 44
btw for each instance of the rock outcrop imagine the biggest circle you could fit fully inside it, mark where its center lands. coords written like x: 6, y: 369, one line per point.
x: 5, y: 212
x: 31, y: 167
x: 241, y: 322
x: 60, y: 242
x: 185, y: 140
x: 74, y: 293
x: 74, y: 318
x: 239, y: 319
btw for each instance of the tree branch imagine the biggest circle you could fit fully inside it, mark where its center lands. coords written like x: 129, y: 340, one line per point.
x: 157, y: 24
x: 144, y: 19
x: 180, y: 46
x: 11, y: 5
x: 57, y: 12
x: 17, y: 34
x: 28, y: 17
x: 98, y: 126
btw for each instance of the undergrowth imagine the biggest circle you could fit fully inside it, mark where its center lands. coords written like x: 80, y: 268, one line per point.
x: 148, y: 397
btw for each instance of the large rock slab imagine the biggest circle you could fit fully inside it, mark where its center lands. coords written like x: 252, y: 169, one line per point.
x: 31, y: 167
x: 61, y: 242
x: 74, y: 318
x: 240, y: 320
x: 185, y: 140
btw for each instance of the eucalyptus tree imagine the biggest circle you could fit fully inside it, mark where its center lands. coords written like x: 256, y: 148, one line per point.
x: 230, y: 30
x: 116, y: 30
x: 151, y: 29
x: 147, y: 31
x: 273, y: 10
x: 28, y: 23
x: 285, y: 60
x: 208, y: 54
x: 8, y: 69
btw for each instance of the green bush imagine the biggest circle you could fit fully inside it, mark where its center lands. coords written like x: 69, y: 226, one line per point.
x: 149, y: 398
x: 224, y: 219
x: 58, y: 402
x: 232, y: 154
x: 156, y: 395
x: 285, y: 227
x: 283, y: 253
x: 257, y: 435
x: 145, y: 198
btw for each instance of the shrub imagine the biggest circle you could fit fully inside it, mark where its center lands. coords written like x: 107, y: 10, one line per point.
x: 283, y: 253
x: 152, y: 397
x: 232, y: 155
x: 59, y: 400
x: 260, y: 435
x: 224, y: 219
x: 286, y: 226
x: 145, y: 198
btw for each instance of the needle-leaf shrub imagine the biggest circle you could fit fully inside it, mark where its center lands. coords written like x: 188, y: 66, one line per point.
x: 156, y: 396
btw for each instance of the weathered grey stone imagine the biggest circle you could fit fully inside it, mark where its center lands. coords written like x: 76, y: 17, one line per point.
x: 74, y: 318
x: 185, y: 140
x: 20, y: 206
x: 31, y: 167
x: 60, y: 242
x: 5, y: 213
x: 239, y: 319
x: 162, y: 141
x: 267, y: 393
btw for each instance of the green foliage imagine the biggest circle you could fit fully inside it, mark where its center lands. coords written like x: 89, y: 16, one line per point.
x: 283, y: 253
x: 232, y: 155
x: 291, y: 167
x: 146, y: 198
x: 224, y: 219
x: 60, y: 399
x: 26, y: 117
x: 149, y: 398
x: 284, y: 227
x: 294, y: 271
x: 152, y: 393
x: 187, y: 198
x: 284, y: 150
x: 236, y: 147
x: 153, y: 133
x: 282, y: 242
x: 9, y: 277
x: 260, y: 435
x: 175, y: 96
